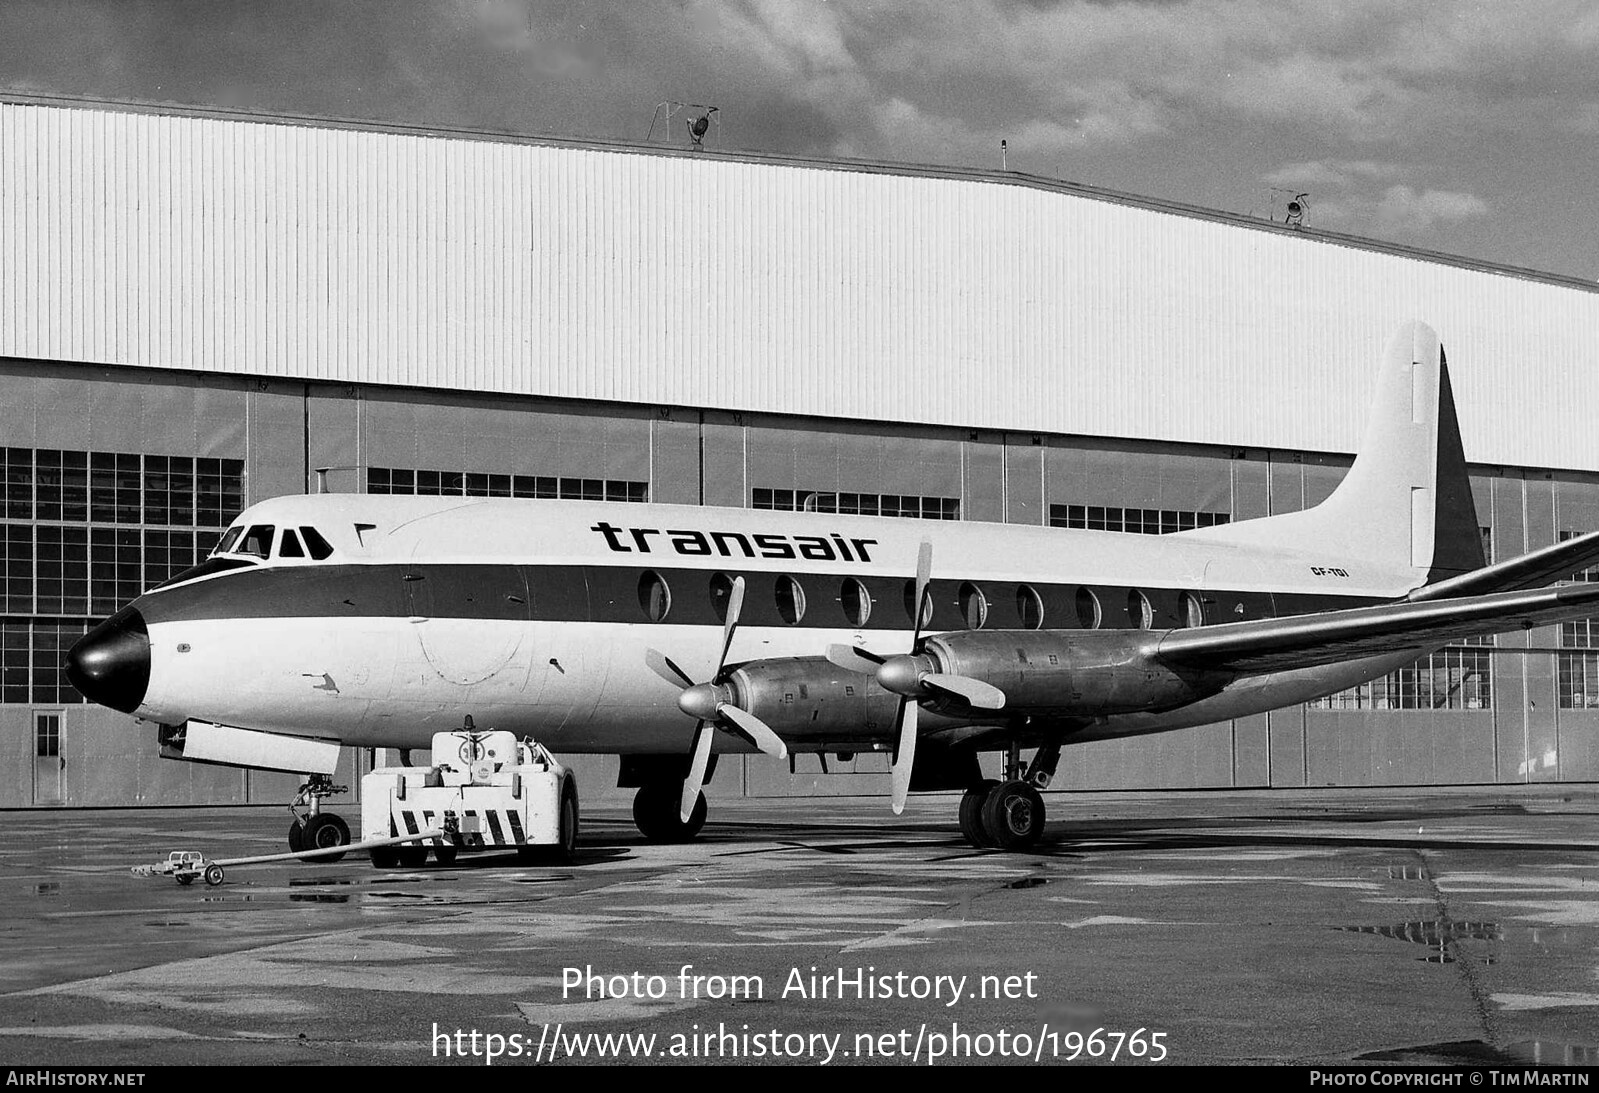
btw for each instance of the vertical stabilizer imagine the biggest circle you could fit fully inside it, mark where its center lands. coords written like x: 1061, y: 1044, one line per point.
x: 1406, y: 503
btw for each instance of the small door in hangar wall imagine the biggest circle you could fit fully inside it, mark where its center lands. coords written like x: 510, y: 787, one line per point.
x: 49, y: 764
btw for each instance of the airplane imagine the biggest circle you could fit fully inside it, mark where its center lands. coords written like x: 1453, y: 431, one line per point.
x: 668, y: 634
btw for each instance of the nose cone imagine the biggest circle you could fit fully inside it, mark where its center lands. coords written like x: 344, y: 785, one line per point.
x: 111, y: 663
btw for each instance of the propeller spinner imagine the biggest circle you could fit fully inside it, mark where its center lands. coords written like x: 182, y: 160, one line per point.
x: 711, y: 705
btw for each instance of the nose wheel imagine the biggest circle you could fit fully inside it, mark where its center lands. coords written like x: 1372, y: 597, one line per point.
x: 316, y: 829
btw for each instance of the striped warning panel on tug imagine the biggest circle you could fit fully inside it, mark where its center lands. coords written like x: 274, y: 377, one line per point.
x: 496, y: 827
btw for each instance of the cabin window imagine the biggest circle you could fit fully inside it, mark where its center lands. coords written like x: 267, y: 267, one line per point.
x: 721, y: 594
x: 1088, y: 613
x: 973, y: 605
x: 910, y: 605
x: 1139, y: 613
x: 1192, y: 610
x: 653, y: 595
x: 856, y: 601
x: 790, y: 600
x: 257, y: 541
x: 1029, y: 607
x: 290, y: 546
x: 319, y: 547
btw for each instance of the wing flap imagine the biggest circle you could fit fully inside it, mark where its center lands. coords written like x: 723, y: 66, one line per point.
x: 1304, y: 641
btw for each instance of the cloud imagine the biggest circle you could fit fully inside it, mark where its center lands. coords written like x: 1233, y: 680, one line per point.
x: 1403, y: 210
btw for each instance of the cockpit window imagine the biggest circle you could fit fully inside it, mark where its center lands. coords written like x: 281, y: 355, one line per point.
x: 290, y: 547
x: 314, y: 542
x: 230, y: 537
x: 257, y: 541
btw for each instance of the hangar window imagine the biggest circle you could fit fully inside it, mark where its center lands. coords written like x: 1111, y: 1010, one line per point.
x: 1139, y: 613
x: 973, y: 605
x: 721, y: 594
x: 858, y: 504
x: 1029, y: 607
x: 653, y: 595
x: 257, y: 541
x: 790, y: 600
x: 1135, y: 521
x: 290, y: 546
x: 318, y: 546
x: 1190, y: 610
x: 856, y: 601
x: 475, y: 484
x: 1088, y: 613
x: 910, y: 605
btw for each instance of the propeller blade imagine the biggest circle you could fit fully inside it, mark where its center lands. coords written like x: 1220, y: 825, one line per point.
x: 974, y: 692
x: 924, y: 575
x: 662, y: 665
x: 735, y: 606
x: 905, y: 757
x: 852, y: 658
x: 759, y: 733
x: 696, y: 770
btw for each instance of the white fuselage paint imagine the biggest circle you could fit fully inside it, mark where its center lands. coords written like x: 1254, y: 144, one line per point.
x: 584, y: 686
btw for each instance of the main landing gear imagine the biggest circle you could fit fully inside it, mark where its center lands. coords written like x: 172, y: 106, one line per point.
x: 1009, y: 814
x: 315, y: 829
x: 657, y: 812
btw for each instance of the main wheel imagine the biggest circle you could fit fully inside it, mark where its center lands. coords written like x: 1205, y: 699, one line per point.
x: 971, y: 814
x: 297, y: 837
x: 1013, y: 815
x: 325, y: 831
x: 656, y: 812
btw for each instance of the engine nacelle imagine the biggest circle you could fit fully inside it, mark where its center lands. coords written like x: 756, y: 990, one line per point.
x: 1072, y: 673
x: 809, y: 702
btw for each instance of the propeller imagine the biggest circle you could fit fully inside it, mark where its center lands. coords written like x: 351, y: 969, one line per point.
x: 711, y: 704
x: 913, y: 676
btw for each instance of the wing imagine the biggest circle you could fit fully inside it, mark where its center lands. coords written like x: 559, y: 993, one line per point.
x: 1303, y: 641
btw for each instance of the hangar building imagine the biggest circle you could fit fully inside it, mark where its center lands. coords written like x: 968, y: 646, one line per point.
x: 199, y: 310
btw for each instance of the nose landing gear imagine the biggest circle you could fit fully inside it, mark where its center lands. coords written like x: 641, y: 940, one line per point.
x: 315, y: 829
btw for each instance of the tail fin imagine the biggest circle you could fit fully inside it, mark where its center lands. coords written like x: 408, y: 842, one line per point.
x: 1407, y: 501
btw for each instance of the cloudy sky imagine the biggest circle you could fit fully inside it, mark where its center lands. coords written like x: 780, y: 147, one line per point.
x: 1471, y: 128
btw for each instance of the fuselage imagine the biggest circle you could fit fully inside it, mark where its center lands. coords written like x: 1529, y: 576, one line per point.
x: 394, y: 616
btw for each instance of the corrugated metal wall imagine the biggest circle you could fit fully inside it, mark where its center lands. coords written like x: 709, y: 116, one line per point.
x: 380, y: 258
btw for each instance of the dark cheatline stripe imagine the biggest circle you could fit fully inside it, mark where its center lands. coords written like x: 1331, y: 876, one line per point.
x: 410, y: 822
x: 516, y: 827
x: 494, y: 826
x: 610, y: 594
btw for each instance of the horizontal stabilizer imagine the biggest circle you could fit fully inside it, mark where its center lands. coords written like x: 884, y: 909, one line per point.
x: 1304, y: 641
x: 1528, y: 571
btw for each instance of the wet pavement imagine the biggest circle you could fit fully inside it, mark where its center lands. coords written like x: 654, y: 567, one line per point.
x: 1255, y: 927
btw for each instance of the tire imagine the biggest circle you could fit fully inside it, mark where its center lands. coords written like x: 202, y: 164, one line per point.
x: 213, y: 874
x: 445, y: 855
x: 185, y: 878
x: 323, y: 831
x: 971, y: 814
x: 655, y: 812
x: 412, y: 857
x: 1013, y: 816
x: 297, y: 837
x: 384, y: 857
x: 565, y: 849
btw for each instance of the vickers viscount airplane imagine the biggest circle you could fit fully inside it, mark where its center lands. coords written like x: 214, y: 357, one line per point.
x: 375, y: 621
